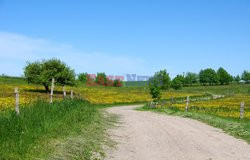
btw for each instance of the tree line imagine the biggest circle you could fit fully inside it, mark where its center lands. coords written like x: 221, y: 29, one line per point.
x: 205, y: 77
x: 162, y: 81
x: 42, y: 72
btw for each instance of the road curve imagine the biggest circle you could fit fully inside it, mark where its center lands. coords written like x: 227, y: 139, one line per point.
x: 151, y: 136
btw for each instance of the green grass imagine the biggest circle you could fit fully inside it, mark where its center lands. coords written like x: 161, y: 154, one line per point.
x: 233, y: 126
x: 70, y: 129
x: 12, y: 80
x: 220, y: 89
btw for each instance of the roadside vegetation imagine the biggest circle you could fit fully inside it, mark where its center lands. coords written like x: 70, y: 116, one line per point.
x: 76, y: 128
x: 69, y: 129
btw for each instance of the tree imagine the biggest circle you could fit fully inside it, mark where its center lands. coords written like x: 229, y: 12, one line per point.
x: 246, y: 76
x: 191, y: 78
x: 208, y: 76
x: 223, y: 76
x: 154, y: 88
x: 237, y: 78
x: 42, y: 72
x: 118, y: 83
x: 82, y: 77
x: 101, y: 79
x: 182, y: 79
x: 177, y: 82
x: 163, y: 79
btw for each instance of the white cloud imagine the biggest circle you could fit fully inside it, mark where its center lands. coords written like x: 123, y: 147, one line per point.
x: 16, y: 49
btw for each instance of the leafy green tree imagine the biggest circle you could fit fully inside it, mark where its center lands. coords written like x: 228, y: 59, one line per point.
x: 208, y: 76
x: 182, y: 79
x: 191, y: 78
x: 42, y: 72
x: 223, y: 76
x: 101, y: 79
x: 82, y: 77
x: 237, y: 79
x: 246, y: 76
x: 155, y: 89
x: 163, y: 79
x: 177, y: 82
x: 118, y: 83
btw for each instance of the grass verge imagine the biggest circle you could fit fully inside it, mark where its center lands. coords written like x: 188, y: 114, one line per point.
x: 70, y: 129
x: 239, y: 128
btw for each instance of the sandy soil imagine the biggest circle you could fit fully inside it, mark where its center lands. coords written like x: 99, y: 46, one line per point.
x: 151, y: 136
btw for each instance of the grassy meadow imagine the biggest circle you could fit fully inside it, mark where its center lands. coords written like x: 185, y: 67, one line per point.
x: 68, y: 129
x: 76, y: 129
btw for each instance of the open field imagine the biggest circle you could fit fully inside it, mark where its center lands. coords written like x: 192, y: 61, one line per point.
x: 76, y: 129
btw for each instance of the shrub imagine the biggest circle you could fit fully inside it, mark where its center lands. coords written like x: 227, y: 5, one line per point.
x: 118, y: 83
x: 177, y: 83
x: 155, y: 90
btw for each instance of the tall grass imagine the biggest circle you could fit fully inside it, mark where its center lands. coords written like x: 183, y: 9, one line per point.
x: 42, y: 127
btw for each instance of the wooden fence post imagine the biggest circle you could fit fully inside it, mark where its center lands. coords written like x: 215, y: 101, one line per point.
x: 71, y: 94
x: 64, y: 92
x: 172, y: 101
x: 52, y: 90
x: 187, y: 103
x: 242, y: 106
x: 17, y: 101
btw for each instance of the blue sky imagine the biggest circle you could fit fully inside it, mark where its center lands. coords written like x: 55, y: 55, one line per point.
x: 126, y: 36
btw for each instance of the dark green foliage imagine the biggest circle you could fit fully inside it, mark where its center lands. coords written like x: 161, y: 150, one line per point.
x: 208, y: 76
x: 191, y: 78
x: 118, y: 83
x: 177, y: 82
x: 163, y: 79
x: 223, y: 76
x: 155, y: 89
x: 82, y: 77
x: 246, y: 76
x: 43, y: 72
x: 237, y: 79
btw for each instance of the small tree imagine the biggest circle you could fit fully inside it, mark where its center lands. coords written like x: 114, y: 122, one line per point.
x: 237, y: 79
x: 191, y: 78
x: 208, y: 76
x: 42, y: 72
x: 101, y: 79
x: 163, y: 79
x: 82, y: 77
x: 118, y: 83
x: 223, y: 76
x: 155, y: 90
x: 177, y: 82
x: 246, y: 76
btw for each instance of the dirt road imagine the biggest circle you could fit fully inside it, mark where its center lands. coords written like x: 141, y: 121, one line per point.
x: 151, y: 136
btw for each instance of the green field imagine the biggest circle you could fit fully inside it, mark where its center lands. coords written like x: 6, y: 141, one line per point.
x: 76, y: 129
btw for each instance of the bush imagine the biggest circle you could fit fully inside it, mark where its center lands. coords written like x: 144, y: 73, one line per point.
x: 118, y: 83
x: 155, y: 90
x: 101, y: 79
x: 82, y: 77
x: 176, y: 83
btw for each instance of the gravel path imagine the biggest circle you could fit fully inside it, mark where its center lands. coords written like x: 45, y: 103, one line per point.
x: 151, y: 136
